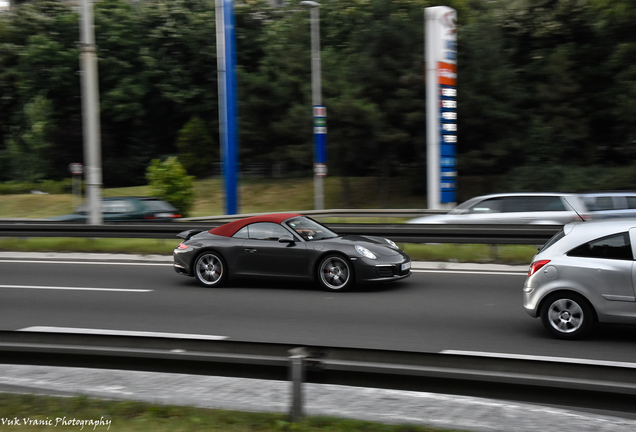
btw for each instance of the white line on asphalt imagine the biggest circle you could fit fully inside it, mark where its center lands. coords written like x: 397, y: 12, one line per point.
x: 86, y: 262
x: 458, y: 271
x: 106, y: 332
x: 542, y: 358
x: 472, y: 272
x: 73, y: 288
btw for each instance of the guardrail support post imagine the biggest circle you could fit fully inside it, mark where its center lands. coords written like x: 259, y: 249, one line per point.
x: 297, y: 375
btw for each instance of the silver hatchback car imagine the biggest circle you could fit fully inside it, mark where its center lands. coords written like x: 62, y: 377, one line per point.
x: 585, y: 274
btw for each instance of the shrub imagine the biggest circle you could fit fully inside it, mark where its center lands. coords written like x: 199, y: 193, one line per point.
x: 170, y: 181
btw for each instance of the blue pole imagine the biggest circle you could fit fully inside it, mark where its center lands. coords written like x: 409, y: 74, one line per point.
x: 228, y: 107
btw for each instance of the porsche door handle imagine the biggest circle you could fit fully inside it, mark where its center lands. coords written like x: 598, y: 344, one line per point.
x: 250, y: 250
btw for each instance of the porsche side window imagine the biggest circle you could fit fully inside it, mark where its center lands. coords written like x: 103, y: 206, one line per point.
x: 309, y: 229
x: 266, y: 231
x: 616, y: 246
x: 242, y: 233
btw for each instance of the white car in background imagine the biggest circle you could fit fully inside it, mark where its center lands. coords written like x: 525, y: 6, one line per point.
x: 514, y: 208
x: 605, y: 205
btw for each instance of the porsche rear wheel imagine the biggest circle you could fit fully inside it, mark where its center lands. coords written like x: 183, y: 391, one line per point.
x: 209, y: 269
x: 335, y: 273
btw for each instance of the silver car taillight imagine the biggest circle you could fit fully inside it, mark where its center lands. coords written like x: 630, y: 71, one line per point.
x: 535, y: 266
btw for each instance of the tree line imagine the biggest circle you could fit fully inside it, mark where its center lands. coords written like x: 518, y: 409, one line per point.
x: 546, y: 89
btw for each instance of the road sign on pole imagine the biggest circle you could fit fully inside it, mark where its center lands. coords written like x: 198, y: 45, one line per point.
x: 76, y: 168
x: 319, y: 111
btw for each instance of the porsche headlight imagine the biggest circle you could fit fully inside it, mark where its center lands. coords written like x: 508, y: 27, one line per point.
x: 391, y: 243
x: 365, y: 252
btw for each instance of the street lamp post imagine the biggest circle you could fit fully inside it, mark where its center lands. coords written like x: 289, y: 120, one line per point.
x: 319, y: 111
x: 90, y: 115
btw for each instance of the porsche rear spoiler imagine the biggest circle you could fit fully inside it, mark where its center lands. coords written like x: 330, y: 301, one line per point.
x: 189, y: 233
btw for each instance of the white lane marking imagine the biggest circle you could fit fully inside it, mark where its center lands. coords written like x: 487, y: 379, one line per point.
x: 73, y: 288
x: 542, y: 358
x: 458, y: 271
x: 87, y: 262
x: 106, y: 332
x: 525, y: 273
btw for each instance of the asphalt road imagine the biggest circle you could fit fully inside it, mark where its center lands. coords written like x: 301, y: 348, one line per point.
x: 428, y: 312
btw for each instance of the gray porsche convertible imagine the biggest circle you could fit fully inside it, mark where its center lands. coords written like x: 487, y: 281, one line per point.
x: 290, y: 246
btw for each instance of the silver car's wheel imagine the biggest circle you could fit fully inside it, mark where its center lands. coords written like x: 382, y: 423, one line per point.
x: 334, y: 273
x: 209, y: 269
x: 567, y: 316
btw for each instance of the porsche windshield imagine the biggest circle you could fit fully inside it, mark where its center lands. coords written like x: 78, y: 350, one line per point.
x: 309, y: 229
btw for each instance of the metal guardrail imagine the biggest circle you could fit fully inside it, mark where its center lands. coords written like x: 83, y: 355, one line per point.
x: 335, y: 213
x: 602, y: 385
x: 405, y: 233
x: 331, y: 213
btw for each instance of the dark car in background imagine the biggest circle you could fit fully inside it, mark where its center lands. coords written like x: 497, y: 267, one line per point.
x: 127, y: 209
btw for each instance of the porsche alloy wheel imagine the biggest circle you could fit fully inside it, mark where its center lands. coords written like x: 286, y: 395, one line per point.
x: 335, y: 273
x: 209, y: 269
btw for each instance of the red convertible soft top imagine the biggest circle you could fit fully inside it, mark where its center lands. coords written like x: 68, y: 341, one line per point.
x: 230, y: 228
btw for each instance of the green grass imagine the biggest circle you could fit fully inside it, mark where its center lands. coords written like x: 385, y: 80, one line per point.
x: 474, y: 253
x: 90, y: 245
x: 256, y: 196
x: 35, y: 206
x: 140, y: 417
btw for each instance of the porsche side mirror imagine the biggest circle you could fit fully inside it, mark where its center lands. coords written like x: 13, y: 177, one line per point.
x: 286, y: 239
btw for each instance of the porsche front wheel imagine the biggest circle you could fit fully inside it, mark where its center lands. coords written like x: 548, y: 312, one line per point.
x: 335, y: 273
x: 209, y: 269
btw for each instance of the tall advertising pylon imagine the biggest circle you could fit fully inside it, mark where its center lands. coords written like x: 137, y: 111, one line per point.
x: 440, y: 29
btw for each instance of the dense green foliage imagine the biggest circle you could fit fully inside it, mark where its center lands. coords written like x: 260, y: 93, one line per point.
x: 170, y: 181
x: 547, y: 89
x: 197, y: 151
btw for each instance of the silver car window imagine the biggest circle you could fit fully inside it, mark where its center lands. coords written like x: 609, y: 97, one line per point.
x: 533, y: 204
x: 603, y: 203
x: 491, y: 205
x: 555, y: 238
x: 615, y: 246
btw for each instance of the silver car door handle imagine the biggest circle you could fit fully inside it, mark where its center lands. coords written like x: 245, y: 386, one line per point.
x: 250, y: 250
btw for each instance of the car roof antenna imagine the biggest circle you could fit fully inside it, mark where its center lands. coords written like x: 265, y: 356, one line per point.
x: 577, y: 213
